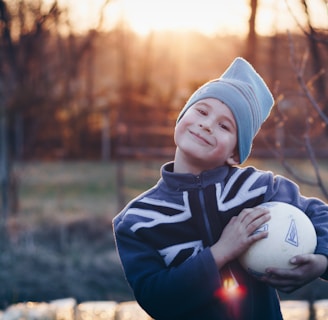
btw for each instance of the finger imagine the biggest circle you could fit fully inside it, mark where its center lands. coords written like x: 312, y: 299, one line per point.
x: 253, y: 227
x: 244, y: 213
x: 301, y: 259
x: 250, y: 214
x: 278, y: 282
x: 282, y: 274
x: 285, y: 285
x: 288, y: 289
x: 255, y: 236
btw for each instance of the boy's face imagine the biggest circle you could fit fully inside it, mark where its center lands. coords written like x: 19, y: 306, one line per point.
x: 206, y: 136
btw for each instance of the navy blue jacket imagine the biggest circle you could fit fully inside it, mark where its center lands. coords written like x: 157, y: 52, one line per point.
x: 164, y: 236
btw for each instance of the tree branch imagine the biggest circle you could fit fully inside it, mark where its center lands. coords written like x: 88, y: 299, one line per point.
x: 298, y: 69
x: 299, y: 72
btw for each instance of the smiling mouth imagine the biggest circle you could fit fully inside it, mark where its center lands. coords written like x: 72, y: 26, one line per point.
x: 200, y: 138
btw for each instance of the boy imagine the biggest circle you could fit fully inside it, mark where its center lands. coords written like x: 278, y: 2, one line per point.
x: 179, y: 242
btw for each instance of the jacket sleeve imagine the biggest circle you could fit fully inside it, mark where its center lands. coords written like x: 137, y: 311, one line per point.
x: 284, y: 190
x: 162, y: 291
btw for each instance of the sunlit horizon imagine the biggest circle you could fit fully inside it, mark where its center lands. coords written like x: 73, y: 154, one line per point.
x: 210, y: 17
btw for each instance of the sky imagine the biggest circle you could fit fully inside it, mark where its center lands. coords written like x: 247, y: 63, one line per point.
x: 206, y: 16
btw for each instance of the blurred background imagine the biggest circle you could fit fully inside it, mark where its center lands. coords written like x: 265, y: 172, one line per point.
x: 89, y: 95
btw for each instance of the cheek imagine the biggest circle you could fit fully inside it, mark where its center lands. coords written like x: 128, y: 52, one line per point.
x: 176, y: 133
x: 179, y: 129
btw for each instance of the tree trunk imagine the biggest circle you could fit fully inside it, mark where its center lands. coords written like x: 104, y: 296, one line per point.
x: 4, y: 165
x: 105, y: 136
x: 251, y: 44
x: 317, y: 63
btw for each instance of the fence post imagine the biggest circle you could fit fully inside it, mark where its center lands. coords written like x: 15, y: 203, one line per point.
x: 321, y: 309
x: 295, y: 310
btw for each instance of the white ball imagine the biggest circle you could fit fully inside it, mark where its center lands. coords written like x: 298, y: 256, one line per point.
x: 290, y: 233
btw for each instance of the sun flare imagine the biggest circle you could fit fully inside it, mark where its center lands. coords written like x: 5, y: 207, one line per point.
x: 204, y: 16
x: 207, y: 16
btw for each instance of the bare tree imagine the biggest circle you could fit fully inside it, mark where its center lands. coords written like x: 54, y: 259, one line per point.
x: 318, y: 46
x: 310, y: 70
x: 6, y: 84
x: 40, y: 77
x: 298, y: 66
x: 251, y: 44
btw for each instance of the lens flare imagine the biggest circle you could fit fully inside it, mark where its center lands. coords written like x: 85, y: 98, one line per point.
x: 231, y: 295
x: 230, y: 290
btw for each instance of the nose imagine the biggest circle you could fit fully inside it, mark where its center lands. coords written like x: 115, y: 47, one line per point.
x: 205, y: 125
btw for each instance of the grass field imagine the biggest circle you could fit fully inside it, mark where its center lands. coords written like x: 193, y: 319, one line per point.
x: 61, y: 243
x: 302, y: 168
x: 62, y: 190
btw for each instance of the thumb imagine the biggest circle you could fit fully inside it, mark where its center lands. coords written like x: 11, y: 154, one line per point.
x: 300, y: 259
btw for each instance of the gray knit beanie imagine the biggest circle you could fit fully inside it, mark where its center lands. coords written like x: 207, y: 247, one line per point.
x: 244, y: 91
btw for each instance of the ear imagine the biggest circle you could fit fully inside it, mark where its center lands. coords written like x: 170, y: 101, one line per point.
x: 233, y: 160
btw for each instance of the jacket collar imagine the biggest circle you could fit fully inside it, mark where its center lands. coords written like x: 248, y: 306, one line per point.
x: 187, y: 181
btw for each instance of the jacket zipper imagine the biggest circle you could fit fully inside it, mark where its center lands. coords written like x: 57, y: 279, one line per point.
x: 204, y: 212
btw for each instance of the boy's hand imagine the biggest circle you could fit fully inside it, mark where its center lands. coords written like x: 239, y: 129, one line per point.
x: 308, y: 267
x: 238, y: 235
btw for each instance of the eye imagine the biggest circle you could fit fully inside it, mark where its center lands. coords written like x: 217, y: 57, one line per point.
x: 202, y: 112
x: 224, y: 126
